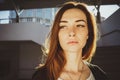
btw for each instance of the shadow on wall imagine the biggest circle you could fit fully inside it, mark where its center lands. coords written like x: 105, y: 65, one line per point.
x: 18, y: 60
x: 108, y: 58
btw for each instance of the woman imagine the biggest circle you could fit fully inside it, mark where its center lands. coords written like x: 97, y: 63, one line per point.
x: 72, y: 44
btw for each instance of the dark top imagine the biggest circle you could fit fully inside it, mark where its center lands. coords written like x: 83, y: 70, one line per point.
x: 99, y: 74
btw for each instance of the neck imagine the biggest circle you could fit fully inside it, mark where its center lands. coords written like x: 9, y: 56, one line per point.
x: 74, y: 62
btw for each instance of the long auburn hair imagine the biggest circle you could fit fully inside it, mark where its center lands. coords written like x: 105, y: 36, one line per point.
x: 56, y: 58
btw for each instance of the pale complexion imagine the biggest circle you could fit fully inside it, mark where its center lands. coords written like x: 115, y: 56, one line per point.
x: 73, y: 35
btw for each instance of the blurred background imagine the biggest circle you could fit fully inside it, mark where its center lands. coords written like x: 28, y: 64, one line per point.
x: 25, y: 24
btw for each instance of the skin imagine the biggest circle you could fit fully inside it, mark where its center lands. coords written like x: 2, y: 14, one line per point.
x: 73, y: 35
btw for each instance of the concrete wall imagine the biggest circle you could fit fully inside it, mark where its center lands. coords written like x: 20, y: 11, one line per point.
x: 29, y: 59
x: 19, y: 60
x: 24, y: 32
x: 110, y: 30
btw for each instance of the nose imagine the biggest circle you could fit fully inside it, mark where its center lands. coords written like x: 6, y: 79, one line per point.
x: 72, y: 32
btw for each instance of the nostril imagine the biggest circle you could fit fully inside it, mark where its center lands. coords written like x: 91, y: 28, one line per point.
x: 71, y: 34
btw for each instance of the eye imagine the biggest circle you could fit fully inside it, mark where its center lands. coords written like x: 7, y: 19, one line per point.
x: 80, y: 25
x: 62, y: 26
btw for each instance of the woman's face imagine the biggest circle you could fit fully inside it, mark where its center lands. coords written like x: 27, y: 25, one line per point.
x: 73, y: 31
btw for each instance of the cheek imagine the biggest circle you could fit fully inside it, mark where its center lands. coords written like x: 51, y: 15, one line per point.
x: 62, y: 38
x: 85, y: 34
x: 82, y: 34
x: 83, y: 38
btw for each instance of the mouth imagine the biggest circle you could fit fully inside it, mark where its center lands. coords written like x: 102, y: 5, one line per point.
x: 73, y: 42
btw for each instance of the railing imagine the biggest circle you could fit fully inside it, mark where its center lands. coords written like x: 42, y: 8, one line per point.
x: 25, y: 19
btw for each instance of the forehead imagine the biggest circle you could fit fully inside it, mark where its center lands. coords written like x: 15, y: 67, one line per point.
x: 73, y: 13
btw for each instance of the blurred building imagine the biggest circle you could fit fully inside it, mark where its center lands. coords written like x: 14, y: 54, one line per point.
x: 43, y: 16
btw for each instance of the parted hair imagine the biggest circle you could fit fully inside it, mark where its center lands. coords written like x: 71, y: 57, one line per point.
x: 56, y: 58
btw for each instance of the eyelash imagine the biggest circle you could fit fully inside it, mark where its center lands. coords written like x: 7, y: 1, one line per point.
x: 80, y: 25
x: 61, y: 27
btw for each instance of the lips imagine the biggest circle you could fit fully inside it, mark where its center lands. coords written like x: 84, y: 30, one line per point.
x: 73, y: 42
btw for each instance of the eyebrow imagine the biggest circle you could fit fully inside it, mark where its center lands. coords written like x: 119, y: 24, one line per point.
x: 63, y: 21
x: 81, y: 20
